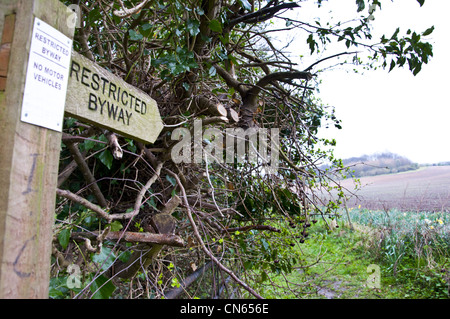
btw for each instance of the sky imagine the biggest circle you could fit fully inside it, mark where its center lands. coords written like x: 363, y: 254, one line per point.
x: 390, y: 112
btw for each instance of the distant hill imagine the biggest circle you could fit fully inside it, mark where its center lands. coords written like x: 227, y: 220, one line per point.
x: 378, y: 164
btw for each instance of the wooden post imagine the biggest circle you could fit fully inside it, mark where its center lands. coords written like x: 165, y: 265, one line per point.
x: 29, y: 156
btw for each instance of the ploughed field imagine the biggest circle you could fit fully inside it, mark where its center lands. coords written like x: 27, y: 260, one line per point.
x: 426, y: 189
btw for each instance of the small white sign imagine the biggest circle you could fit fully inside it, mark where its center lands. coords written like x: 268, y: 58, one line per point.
x: 47, y: 77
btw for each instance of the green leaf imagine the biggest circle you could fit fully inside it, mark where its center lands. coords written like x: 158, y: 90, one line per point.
x: 69, y: 122
x: 421, y: 2
x: 392, y: 66
x: 186, y: 86
x: 64, y: 237
x: 151, y: 203
x: 94, y: 15
x: 264, y: 276
x: 394, y: 36
x: 102, y: 288
x: 88, y: 145
x: 361, y: 5
x: 135, y: 36
x: 58, y: 287
x: 348, y: 43
x: 131, y: 147
x: 428, y: 31
x: 146, y: 29
x: 265, y: 244
x: 215, y: 26
x: 146, y: 26
x: 106, y: 158
x: 193, y: 27
x: 171, y: 180
x: 116, y: 225
x: 125, y: 256
x: 417, y: 69
x: 104, y: 258
x: 312, y: 43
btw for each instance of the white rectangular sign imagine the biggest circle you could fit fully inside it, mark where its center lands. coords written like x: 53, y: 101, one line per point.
x: 47, y: 77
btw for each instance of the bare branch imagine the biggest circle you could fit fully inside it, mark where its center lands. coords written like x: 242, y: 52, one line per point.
x: 175, y: 292
x: 149, y: 238
x: 260, y: 15
x: 140, y: 196
x: 281, y: 76
x: 84, y: 168
x: 124, y: 13
x: 248, y: 228
x: 202, y: 244
x: 80, y: 200
x: 114, y: 145
x: 230, y: 80
x: 327, y: 58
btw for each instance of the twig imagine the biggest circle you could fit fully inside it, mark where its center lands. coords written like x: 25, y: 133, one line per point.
x: 212, y: 187
x: 62, y: 262
x: 125, y: 13
x: 80, y: 200
x: 172, y: 294
x: 148, y: 153
x: 330, y: 57
x: 138, y: 203
x: 150, y: 238
x: 113, y: 143
x: 202, y: 244
x: 247, y: 228
x: 66, y: 172
x: 260, y: 15
x: 84, y: 168
x: 348, y: 214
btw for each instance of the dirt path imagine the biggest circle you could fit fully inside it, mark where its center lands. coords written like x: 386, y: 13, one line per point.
x: 333, y: 289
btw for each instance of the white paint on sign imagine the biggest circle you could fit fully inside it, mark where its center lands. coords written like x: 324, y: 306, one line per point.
x: 47, y: 77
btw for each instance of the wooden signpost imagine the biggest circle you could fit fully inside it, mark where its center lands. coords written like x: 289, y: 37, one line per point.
x: 99, y: 97
x: 39, y: 75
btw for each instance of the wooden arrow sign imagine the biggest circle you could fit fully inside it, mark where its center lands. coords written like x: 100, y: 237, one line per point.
x: 97, y: 96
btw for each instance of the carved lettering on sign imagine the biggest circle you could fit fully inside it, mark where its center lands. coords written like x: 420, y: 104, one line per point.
x: 97, y: 96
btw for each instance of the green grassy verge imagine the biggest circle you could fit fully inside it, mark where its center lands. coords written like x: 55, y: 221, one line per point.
x: 411, y: 251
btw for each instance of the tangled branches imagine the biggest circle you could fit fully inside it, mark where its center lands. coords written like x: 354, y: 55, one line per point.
x: 154, y: 221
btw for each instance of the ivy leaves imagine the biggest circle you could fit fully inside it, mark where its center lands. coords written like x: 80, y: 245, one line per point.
x: 215, y: 26
x: 175, y: 63
x: 193, y: 26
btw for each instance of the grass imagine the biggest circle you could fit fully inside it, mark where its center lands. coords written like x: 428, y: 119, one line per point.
x: 412, y: 251
x: 333, y: 268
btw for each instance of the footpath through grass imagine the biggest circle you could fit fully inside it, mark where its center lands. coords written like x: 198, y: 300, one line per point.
x: 388, y: 255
